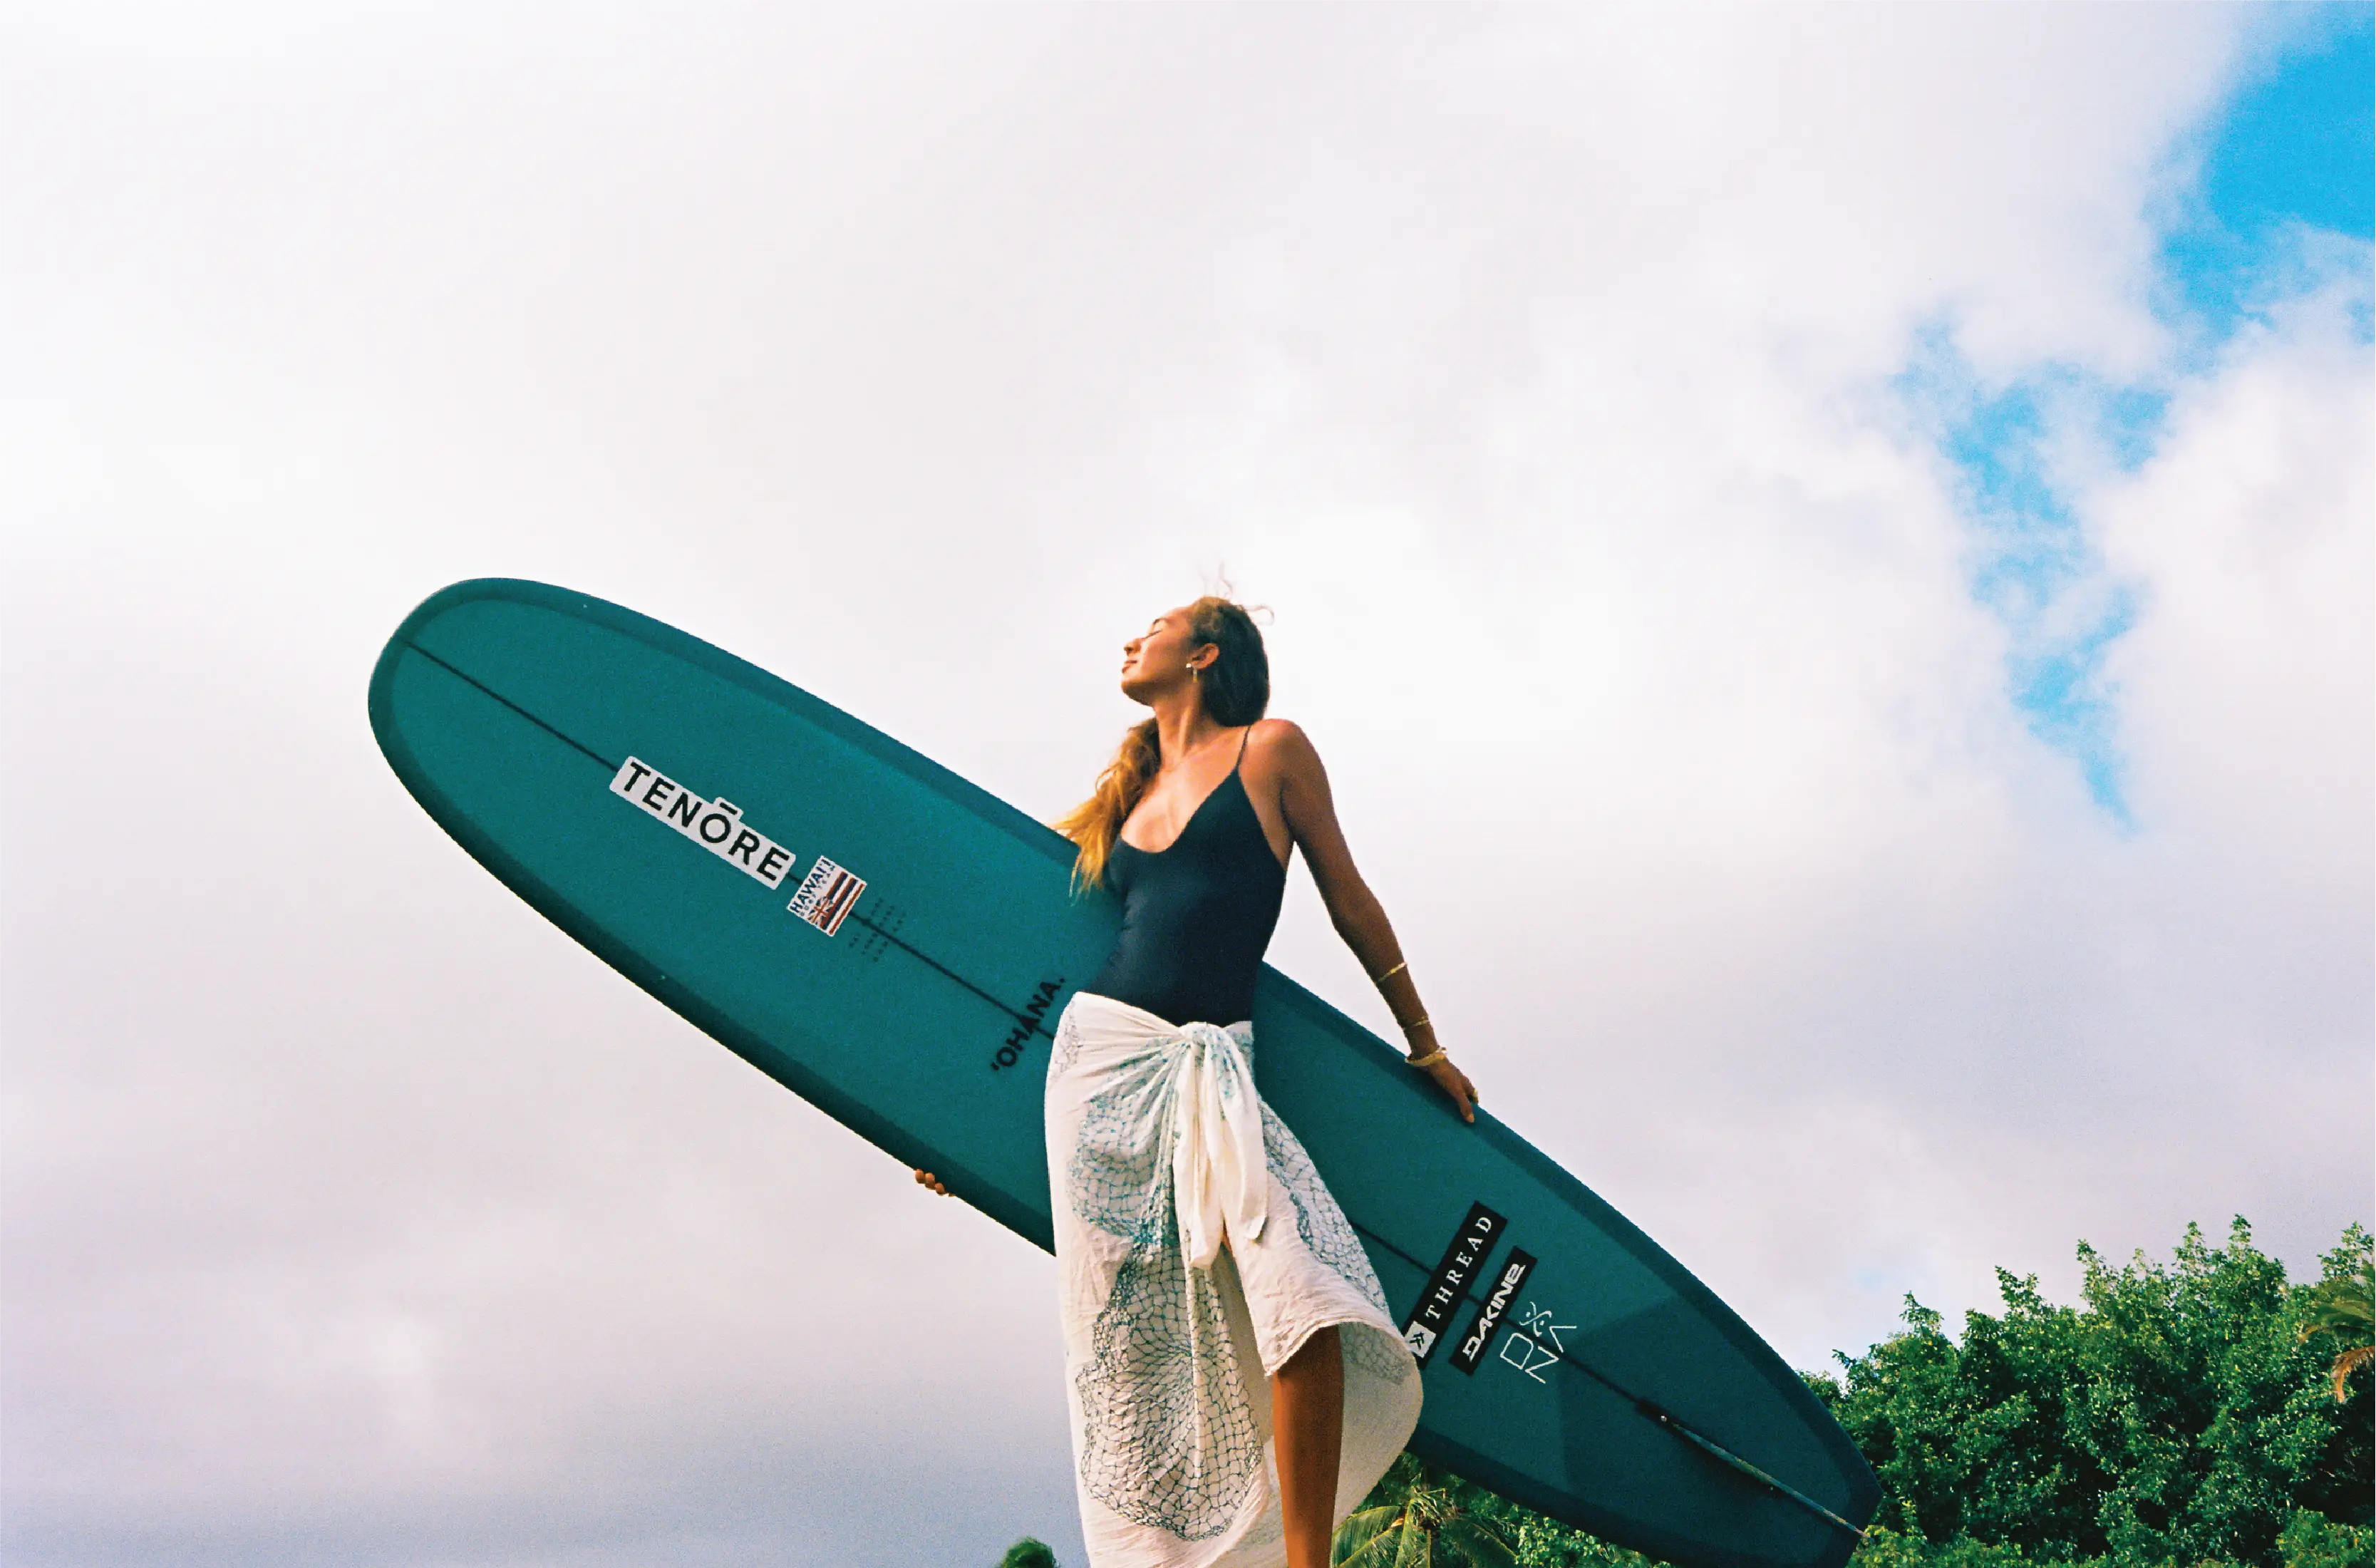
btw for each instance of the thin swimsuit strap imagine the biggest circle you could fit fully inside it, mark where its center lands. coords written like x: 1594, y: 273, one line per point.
x: 1236, y: 772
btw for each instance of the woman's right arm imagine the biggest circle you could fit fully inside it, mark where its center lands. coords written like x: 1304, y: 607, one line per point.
x: 1359, y: 919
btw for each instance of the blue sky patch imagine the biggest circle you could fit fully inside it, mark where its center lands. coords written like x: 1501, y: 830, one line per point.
x: 2293, y: 152
x: 2029, y: 559
x: 2280, y: 176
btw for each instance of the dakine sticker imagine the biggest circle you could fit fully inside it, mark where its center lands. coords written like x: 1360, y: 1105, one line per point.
x: 715, y: 825
x: 1494, y: 1310
x: 1450, y: 1282
x: 826, y: 895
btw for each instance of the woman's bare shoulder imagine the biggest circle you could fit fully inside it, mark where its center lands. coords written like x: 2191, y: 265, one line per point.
x: 1279, y: 749
x: 1278, y: 740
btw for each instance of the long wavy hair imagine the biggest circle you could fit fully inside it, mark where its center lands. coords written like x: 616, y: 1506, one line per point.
x: 1237, y: 689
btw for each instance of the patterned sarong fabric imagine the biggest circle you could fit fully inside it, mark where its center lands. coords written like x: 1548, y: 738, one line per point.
x: 1197, y: 1251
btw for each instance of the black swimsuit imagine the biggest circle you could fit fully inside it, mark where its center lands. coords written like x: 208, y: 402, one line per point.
x: 1196, y: 917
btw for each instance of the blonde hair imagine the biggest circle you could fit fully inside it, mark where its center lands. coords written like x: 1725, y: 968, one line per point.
x: 1236, y: 688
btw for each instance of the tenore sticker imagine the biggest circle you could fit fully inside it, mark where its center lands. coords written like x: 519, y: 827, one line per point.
x: 715, y: 825
x: 826, y: 895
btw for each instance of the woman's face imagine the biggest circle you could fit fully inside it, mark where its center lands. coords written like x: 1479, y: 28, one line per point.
x: 1156, y: 660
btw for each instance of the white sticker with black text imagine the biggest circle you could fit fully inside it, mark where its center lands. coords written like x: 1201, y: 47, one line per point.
x: 715, y: 825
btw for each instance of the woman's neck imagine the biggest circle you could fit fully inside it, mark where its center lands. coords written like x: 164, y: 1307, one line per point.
x: 1181, y: 724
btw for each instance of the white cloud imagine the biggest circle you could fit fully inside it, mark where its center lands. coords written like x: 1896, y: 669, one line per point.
x: 1534, y: 365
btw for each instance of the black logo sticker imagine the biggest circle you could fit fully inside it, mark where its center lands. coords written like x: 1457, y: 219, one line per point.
x: 1488, y: 1321
x: 1449, y: 1283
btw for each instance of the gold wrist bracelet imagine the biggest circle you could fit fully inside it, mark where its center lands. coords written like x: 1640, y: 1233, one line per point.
x: 1429, y: 1060
x: 1385, y: 975
x: 1418, y: 1023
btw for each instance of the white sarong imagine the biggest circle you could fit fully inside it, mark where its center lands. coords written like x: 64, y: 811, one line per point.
x: 1159, y: 1152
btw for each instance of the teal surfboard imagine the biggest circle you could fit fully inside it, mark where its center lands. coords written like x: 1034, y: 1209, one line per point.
x: 894, y: 945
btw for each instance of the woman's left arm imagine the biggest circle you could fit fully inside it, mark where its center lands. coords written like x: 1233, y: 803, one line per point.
x: 1311, y: 813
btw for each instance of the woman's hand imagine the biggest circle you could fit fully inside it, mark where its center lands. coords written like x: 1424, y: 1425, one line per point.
x: 1454, y: 1082
x: 926, y: 1179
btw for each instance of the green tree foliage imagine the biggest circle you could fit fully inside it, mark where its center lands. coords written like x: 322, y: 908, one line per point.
x: 1420, y: 1518
x: 2313, y: 1541
x: 2183, y: 1415
x: 1522, y: 1536
x: 2178, y: 1415
x: 1029, y: 1553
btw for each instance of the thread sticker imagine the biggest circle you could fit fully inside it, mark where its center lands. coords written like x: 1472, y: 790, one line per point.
x: 715, y: 825
x: 1448, y: 1286
x: 826, y: 895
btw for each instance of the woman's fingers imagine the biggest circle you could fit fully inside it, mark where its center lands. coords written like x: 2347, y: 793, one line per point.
x: 1454, y: 1082
x: 925, y: 1177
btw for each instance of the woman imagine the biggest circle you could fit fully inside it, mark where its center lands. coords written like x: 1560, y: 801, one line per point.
x: 1194, y: 1241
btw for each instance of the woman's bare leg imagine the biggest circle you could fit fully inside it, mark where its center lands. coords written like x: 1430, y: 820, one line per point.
x: 1307, y: 1419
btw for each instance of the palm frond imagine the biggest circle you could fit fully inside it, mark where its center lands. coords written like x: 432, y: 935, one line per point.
x: 1369, y: 1521
x: 1357, y: 1542
x: 1414, y: 1544
x: 1432, y: 1506
x: 2338, y: 1314
x: 2350, y: 1362
x: 2343, y: 1306
x: 1477, y: 1543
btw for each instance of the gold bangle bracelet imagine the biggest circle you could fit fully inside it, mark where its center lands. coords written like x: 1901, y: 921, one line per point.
x: 1429, y: 1060
x: 1417, y: 1023
x: 1385, y: 975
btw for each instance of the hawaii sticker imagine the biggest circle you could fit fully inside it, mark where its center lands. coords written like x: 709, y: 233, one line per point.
x: 826, y: 895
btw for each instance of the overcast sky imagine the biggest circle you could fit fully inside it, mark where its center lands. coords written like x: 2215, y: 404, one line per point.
x: 1827, y: 552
